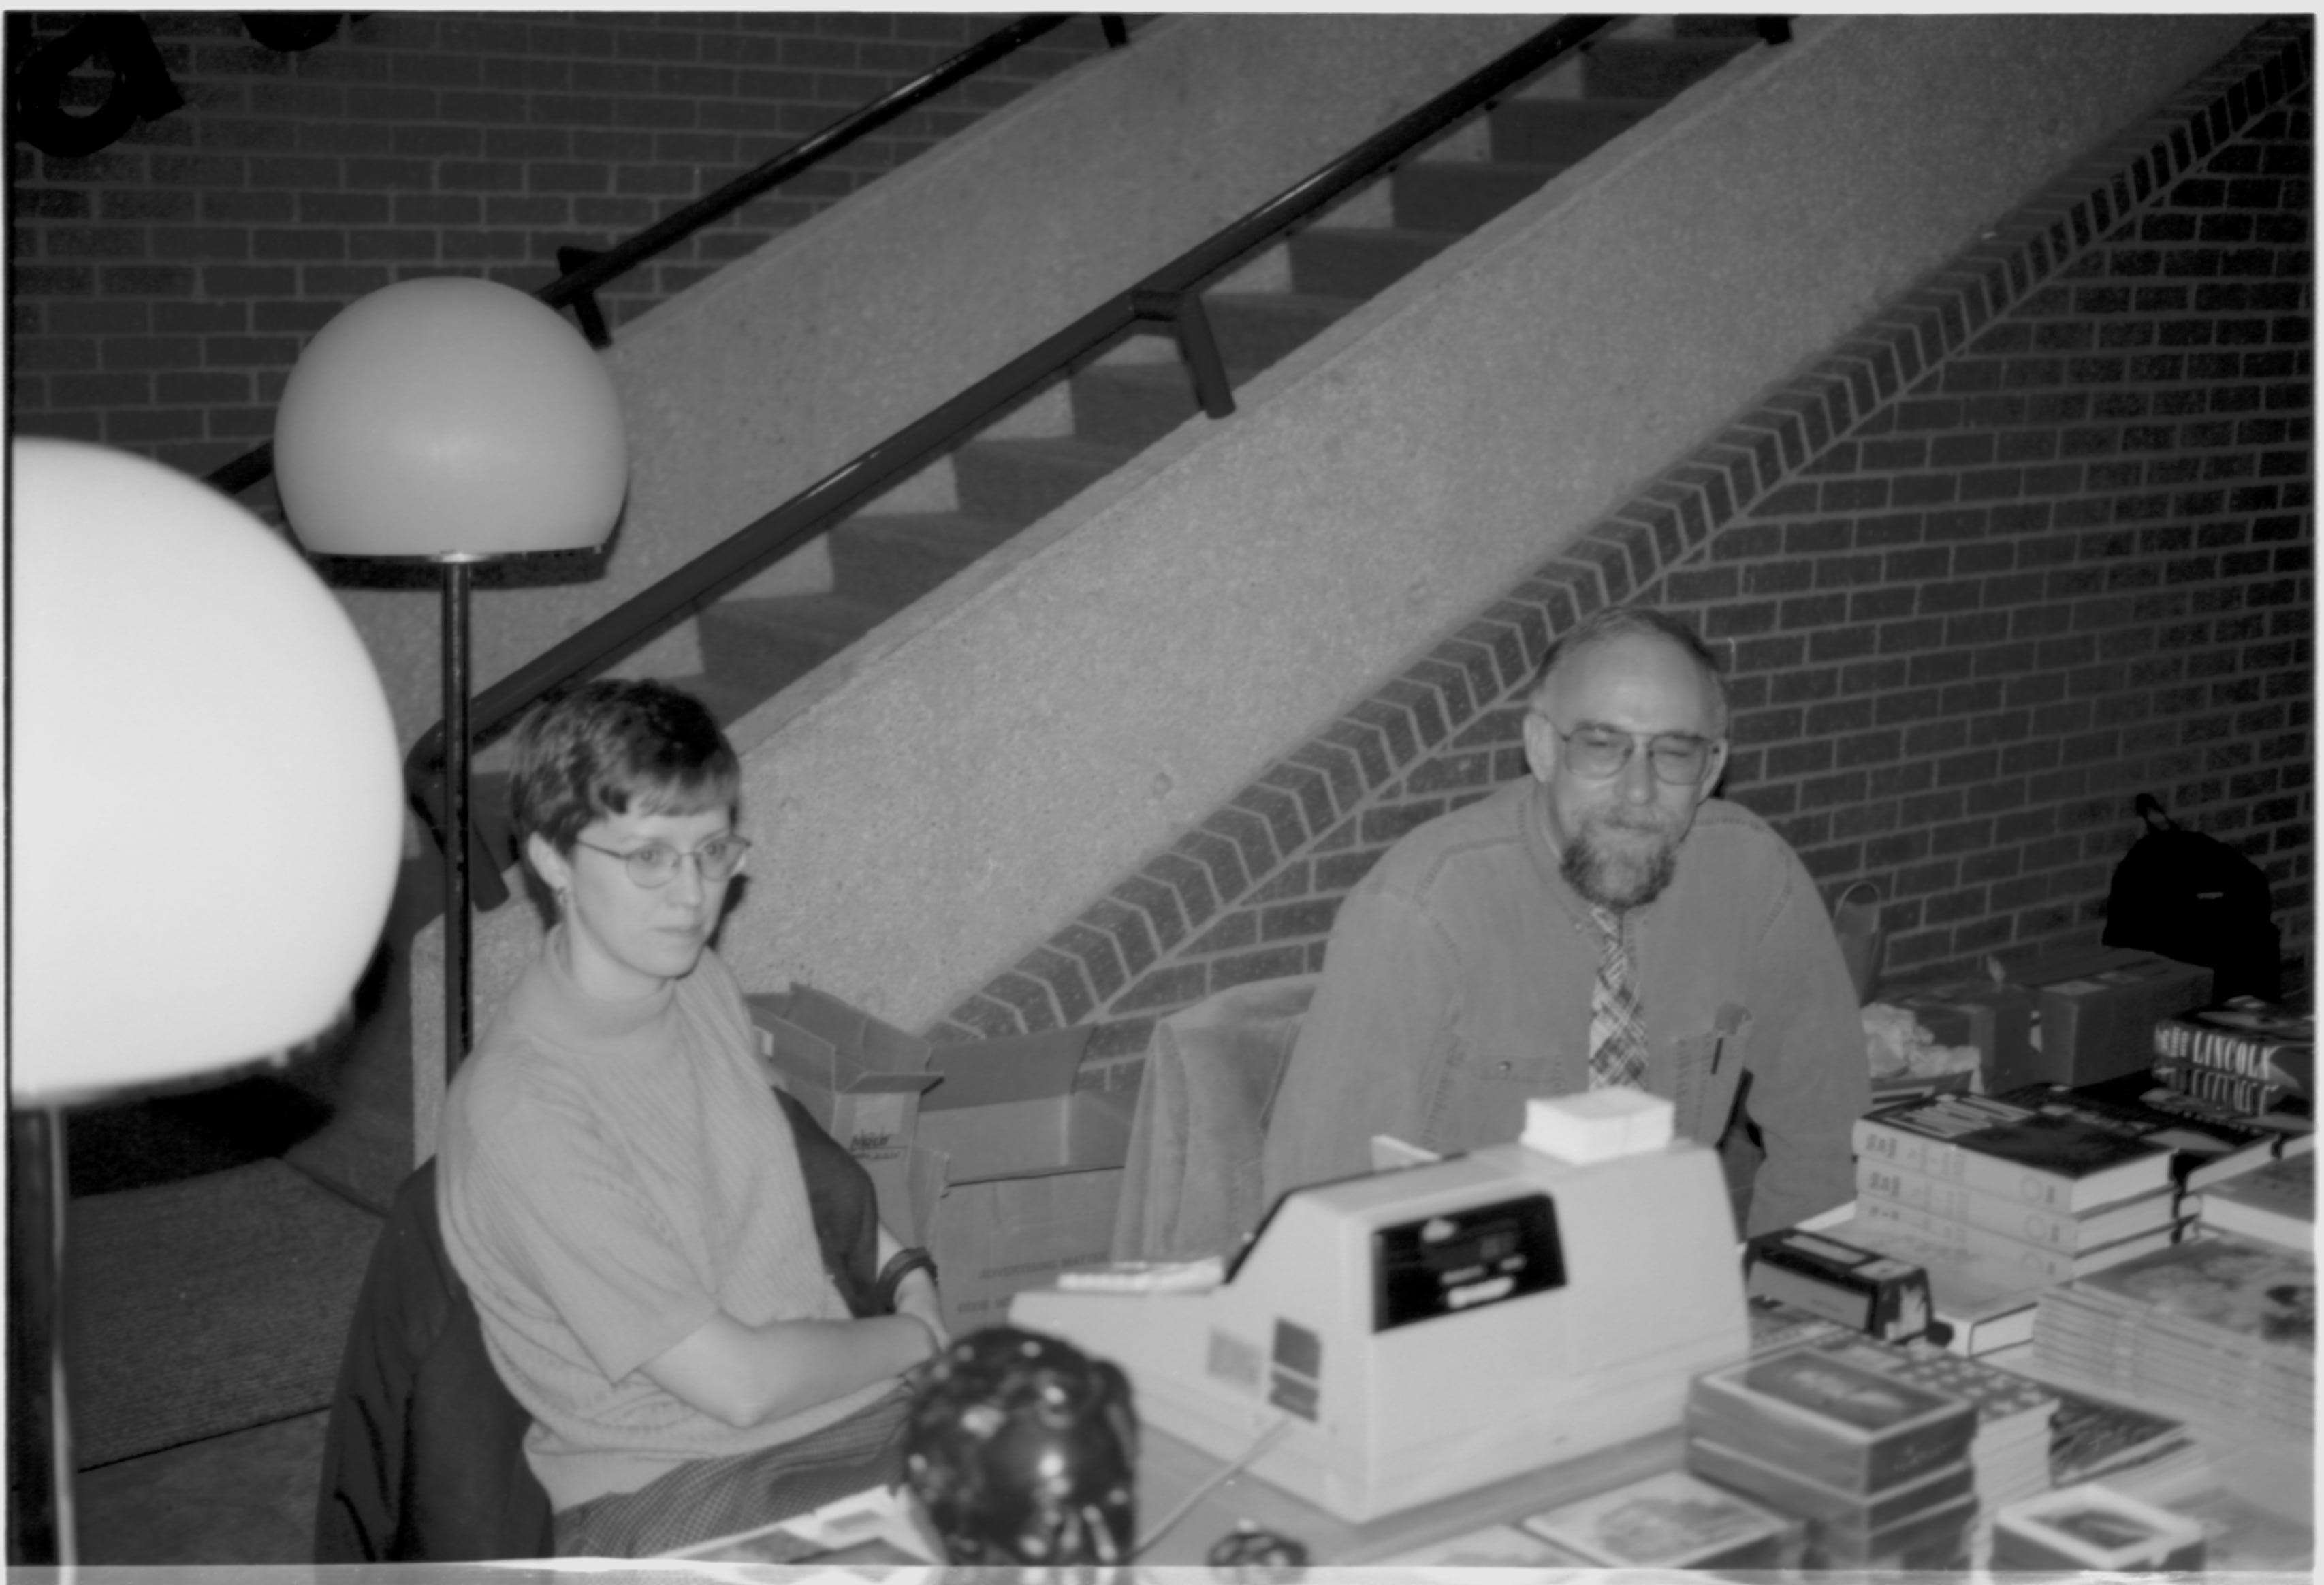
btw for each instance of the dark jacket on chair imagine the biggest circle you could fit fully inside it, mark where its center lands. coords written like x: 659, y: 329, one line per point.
x: 423, y: 1458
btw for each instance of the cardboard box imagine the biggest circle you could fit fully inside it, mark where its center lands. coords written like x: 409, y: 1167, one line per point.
x: 1031, y: 1169
x: 981, y: 1151
x: 2098, y: 1008
x: 862, y: 1080
x: 1993, y: 1016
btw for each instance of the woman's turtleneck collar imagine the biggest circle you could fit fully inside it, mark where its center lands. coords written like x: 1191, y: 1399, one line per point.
x: 554, y: 1003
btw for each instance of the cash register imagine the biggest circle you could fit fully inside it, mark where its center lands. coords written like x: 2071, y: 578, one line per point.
x: 1405, y: 1336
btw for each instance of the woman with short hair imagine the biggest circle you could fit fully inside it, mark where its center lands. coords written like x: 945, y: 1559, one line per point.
x: 621, y: 1190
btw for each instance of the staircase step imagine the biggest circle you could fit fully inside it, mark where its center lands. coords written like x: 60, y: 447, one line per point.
x: 1715, y: 25
x: 1450, y: 195
x: 1653, y: 68
x: 728, y: 698
x: 892, y: 559
x: 1133, y: 405
x: 1020, y: 481
x: 1255, y: 328
x: 768, y: 644
x: 1560, y: 132
x: 1348, y: 261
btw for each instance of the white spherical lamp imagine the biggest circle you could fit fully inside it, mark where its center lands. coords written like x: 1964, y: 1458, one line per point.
x: 207, y: 807
x: 450, y: 417
x: 453, y: 420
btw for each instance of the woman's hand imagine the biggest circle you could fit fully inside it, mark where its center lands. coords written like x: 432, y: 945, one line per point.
x: 917, y: 1297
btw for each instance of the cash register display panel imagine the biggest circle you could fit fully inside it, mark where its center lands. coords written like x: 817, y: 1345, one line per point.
x: 1457, y: 1261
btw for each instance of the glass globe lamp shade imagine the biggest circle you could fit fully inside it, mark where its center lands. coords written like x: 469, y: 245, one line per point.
x: 207, y: 815
x: 449, y: 418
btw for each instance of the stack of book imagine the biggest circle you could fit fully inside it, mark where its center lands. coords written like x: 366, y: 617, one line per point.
x: 2253, y: 1056
x: 2009, y: 1455
x: 1877, y: 1467
x: 1998, y: 1199
x: 2221, y: 1331
x: 1669, y: 1521
x: 2206, y: 1141
x: 2273, y: 1202
x: 2091, y: 1437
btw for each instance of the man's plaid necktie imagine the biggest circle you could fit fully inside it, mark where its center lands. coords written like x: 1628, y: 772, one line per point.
x: 1618, y: 1030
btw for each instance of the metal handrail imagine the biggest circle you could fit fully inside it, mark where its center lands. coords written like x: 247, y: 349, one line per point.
x: 1166, y: 297
x: 584, y: 270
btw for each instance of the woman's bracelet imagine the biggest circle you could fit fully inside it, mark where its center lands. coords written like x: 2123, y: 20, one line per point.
x: 901, y: 1265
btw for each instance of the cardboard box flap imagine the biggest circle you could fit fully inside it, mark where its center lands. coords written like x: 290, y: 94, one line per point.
x: 1021, y: 1067
x: 846, y: 1062
x: 865, y: 1083
x: 863, y: 1040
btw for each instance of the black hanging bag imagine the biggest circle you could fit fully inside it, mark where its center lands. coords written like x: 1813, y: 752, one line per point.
x: 2193, y: 897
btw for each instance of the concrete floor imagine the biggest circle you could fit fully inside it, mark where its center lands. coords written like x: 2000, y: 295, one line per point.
x: 245, y: 1498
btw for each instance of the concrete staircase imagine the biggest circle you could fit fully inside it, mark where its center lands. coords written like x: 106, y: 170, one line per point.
x: 885, y: 558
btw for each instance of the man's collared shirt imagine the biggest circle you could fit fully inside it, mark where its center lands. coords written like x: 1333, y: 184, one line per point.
x: 1457, y: 987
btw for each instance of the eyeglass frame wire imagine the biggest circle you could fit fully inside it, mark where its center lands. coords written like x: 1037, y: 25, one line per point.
x: 742, y: 845
x: 1709, y: 746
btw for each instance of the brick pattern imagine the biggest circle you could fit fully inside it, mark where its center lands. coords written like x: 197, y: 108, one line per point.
x: 160, y: 289
x: 2034, y: 539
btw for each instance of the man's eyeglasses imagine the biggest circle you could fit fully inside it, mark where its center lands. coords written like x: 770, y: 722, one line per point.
x: 656, y: 864
x: 1597, y: 754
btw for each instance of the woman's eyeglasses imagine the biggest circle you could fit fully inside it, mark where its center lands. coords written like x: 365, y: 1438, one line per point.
x: 656, y: 864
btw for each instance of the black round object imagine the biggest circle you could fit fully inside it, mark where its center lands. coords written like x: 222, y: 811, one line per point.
x: 1023, y: 1450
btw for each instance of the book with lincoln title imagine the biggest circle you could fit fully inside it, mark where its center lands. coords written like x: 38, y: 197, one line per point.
x: 2060, y: 1162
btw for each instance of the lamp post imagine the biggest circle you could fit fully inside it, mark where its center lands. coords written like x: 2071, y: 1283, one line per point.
x: 205, y: 823
x: 449, y: 422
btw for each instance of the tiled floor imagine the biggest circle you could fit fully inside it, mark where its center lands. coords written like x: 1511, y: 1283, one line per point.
x: 247, y: 1497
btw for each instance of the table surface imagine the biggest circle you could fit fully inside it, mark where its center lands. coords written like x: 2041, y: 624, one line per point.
x: 1169, y: 1469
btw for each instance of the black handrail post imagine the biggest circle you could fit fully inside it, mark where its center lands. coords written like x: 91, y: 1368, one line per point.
x: 1200, y: 345
x: 455, y: 837
x: 1190, y: 323
x: 592, y: 320
x: 1116, y: 32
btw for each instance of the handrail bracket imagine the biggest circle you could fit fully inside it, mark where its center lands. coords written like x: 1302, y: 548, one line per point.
x: 1198, y: 344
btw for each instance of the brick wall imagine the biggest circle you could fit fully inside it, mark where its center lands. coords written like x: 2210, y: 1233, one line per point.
x: 2036, y: 538
x: 161, y: 287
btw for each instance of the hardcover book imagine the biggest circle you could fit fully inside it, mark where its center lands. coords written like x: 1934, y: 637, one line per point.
x: 1496, y: 1546
x: 1672, y: 1520
x: 1781, y: 1487
x: 1865, y: 1289
x: 2274, y: 1203
x: 2093, y: 1526
x: 2206, y: 1142
x: 2042, y: 1261
x: 2230, y: 1288
x: 2062, y: 1163
x: 2247, y: 1036
x: 1834, y: 1421
x: 2239, y: 1093
x: 2090, y: 1436
x: 2005, y: 1402
x: 1936, y: 1540
x: 2011, y: 1219
x: 1982, y: 1303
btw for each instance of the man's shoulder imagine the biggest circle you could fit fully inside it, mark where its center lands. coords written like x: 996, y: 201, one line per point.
x: 1729, y: 846
x: 1728, y: 823
x: 1486, y: 831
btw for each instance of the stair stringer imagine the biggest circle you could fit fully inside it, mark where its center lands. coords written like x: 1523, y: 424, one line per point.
x: 781, y: 366
x: 930, y: 807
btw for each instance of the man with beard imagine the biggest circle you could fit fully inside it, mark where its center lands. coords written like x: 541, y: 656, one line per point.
x: 1604, y: 921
